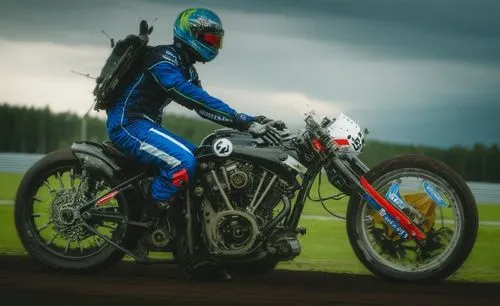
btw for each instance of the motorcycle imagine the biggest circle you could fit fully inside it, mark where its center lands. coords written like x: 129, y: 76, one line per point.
x: 410, y: 218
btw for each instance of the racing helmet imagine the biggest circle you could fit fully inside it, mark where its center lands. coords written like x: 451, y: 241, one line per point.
x: 201, y: 30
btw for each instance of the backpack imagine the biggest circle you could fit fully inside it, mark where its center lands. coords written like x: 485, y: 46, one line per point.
x: 125, y: 60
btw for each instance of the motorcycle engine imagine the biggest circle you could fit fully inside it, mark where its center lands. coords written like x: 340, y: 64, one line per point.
x: 241, y: 199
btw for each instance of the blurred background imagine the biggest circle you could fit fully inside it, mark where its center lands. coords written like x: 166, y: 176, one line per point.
x: 422, y: 76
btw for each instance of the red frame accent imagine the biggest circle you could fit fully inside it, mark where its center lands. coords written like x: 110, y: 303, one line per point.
x: 317, y: 146
x: 405, y: 222
x: 341, y: 142
x: 106, y: 198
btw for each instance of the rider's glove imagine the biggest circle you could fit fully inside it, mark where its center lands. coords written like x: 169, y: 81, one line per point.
x: 278, y: 124
x: 257, y: 129
x: 262, y: 119
x: 266, y: 132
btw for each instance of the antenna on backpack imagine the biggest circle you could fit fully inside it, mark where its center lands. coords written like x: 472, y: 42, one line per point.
x: 110, y: 38
x: 83, y: 74
x: 146, y: 29
x: 143, y: 27
x: 150, y: 30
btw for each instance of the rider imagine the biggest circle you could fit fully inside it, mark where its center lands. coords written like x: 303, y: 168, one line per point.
x: 134, y: 123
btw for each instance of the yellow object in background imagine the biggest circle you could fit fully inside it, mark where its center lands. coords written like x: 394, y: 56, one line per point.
x: 421, y: 202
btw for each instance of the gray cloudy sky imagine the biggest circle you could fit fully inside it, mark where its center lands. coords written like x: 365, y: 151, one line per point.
x: 423, y: 72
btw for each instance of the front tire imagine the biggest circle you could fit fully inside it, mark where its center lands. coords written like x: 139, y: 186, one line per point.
x: 372, y: 245
x: 54, y: 236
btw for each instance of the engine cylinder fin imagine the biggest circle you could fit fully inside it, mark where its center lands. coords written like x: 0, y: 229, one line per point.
x: 271, y: 183
x: 222, y: 192
x: 224, y: 173
x: 257, y: 190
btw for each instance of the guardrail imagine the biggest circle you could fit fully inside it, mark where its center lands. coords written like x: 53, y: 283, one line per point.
x: 17, y: 162
x: 21, y: 162
x: 485, y: 192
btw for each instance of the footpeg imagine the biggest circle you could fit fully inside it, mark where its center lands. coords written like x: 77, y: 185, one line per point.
x: 301, y: 230
x: 285, y: 245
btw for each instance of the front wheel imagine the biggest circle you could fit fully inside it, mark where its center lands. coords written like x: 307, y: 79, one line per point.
x: 433, y: 195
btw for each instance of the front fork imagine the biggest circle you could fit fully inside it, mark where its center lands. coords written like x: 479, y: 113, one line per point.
x: 401, y: 224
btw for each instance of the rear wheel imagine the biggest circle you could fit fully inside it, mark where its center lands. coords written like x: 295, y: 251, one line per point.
x: 48, y: 221
x: 437, y: 198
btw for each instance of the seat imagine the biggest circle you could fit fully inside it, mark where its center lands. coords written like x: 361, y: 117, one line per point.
x: 126, y: 160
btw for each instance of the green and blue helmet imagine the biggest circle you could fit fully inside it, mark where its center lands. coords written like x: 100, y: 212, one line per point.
x: 201, y: 29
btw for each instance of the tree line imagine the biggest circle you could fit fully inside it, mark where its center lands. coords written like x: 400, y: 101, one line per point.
x: 39, y: 130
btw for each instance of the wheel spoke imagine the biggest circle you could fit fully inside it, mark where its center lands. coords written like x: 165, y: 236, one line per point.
x: 44, y: 226
x: 67, y: 246
x: 72, y: 178
x: 37, y: 200
x: 96, y: 239
x: 53, y: 238
x: 52, y: 190
x: 83, y: 180
x: 36, y: 215
x: 60, y: 180
x: 80, y: 246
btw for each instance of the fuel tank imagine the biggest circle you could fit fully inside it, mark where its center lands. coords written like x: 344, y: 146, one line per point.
x: 229, y: 143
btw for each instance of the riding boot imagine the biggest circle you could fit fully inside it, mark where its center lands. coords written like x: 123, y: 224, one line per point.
x: 150, y: 209
x: 153, y: 209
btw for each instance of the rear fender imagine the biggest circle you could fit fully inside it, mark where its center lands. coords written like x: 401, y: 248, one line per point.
x: 94, y: 160
x: 92, y: 157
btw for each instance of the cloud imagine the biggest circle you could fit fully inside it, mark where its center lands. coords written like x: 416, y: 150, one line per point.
x: 464, y: 30
x: 43, y: 76
x: 288, y: 106
x: 445, y: 29
x: 435, y: 59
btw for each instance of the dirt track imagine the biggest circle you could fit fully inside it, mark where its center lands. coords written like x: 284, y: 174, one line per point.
x: 24, y: 283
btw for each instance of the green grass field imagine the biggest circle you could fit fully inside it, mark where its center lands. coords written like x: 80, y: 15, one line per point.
x: 8, y: 185
x: 325, y: 246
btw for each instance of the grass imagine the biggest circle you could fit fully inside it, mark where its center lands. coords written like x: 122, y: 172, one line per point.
x: 9, y: 183
x: 9, y: 241
x: 325, y: 246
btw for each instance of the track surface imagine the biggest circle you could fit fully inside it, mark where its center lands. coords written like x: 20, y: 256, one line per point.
x: 22, y: 282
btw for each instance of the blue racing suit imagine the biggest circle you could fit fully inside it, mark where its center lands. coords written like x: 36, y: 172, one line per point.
x: 134, y: 123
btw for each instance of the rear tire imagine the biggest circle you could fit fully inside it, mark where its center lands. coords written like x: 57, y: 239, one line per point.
x: 30, y: 236
x: 466, y: 239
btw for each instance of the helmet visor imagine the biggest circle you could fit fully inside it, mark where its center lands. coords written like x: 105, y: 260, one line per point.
x: 211, y: 39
